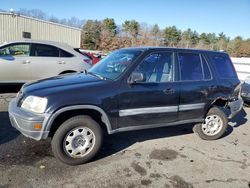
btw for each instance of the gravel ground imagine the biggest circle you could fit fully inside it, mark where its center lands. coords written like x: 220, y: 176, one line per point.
x: 164, y: 157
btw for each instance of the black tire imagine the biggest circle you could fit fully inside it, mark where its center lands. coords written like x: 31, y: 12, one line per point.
x: 70, y: 125
x: 217, y: 112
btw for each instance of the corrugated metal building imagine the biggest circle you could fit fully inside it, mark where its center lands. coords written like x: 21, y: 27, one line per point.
x: 16, y: 27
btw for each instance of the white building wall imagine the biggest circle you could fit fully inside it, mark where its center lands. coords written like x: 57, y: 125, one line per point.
x: 242, y: 67
x: 13, y: 26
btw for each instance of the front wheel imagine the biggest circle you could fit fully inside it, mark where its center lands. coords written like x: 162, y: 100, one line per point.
x: 214, y: 125
x: 77, y: 140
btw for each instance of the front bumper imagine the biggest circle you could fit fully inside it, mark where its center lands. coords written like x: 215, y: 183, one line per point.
x: 235, y: 106
x: 24, y: 121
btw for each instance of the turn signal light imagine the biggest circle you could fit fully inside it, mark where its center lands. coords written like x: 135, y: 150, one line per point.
x: 38, y: 126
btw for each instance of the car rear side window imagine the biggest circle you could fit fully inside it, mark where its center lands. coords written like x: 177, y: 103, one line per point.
x: 63, y: 53
x: 190, y: 66
x: 193, y: 67
x: 223, y: 65
x: 43, y: 50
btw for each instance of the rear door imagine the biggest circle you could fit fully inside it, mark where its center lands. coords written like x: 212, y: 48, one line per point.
x: 47, y: 60
x: 197, y: 84
x: 154, y: 101
x: 14, y: 63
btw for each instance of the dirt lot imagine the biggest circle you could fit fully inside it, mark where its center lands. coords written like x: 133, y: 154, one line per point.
x: 165, y: 157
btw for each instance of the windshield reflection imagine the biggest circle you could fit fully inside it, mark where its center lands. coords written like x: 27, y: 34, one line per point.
x: 114, y: 64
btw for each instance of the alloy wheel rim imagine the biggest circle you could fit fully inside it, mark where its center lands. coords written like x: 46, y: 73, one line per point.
x: 79, y: 142
x: 212, y: 125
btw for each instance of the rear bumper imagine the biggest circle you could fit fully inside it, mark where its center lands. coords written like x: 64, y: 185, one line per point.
x: 24, y: 121
x: 235, y: 106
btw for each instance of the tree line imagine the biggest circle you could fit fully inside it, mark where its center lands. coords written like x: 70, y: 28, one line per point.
x: 107, y: 35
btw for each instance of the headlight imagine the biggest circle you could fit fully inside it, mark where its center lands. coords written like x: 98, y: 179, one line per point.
x: 35, y: 104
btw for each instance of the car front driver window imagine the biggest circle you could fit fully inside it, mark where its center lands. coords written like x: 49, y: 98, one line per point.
x: 157, y: 67
x: 15, y: 50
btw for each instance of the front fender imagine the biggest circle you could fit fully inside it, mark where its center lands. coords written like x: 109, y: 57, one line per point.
x: 104, y: 117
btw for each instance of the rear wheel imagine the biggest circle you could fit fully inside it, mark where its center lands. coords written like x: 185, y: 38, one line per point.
x: 214, y: 125
x: 77, y: 140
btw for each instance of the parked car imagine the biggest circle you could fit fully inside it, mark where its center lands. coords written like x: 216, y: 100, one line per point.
x: 156, y: 87
x: 93, y: 58
x: 245, y: 92
x: 26, y: 60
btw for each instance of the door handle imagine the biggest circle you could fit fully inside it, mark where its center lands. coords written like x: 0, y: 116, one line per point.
x: 26, y: 62
x: 61, y: 62
x: 168, y: 91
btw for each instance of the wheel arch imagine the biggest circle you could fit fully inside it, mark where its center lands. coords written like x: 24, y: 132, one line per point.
x: 218, y: 102
x: 65, y: 113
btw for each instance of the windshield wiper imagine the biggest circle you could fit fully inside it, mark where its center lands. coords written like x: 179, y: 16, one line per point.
x: 97, y: 75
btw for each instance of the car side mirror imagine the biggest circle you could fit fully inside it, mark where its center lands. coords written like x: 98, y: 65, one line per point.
x: 136, y: 77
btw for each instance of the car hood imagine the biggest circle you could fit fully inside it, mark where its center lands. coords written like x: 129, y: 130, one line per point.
x: 60, y: 81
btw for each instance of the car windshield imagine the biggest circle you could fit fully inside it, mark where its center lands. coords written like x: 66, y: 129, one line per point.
x: 112, y: 66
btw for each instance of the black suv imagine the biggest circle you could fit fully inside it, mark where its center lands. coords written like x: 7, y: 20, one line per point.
x: 131, y: 89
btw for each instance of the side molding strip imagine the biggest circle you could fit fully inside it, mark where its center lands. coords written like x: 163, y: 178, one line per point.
x: 164, y: 109
x: 185, y: 107
x: 136, y: 111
